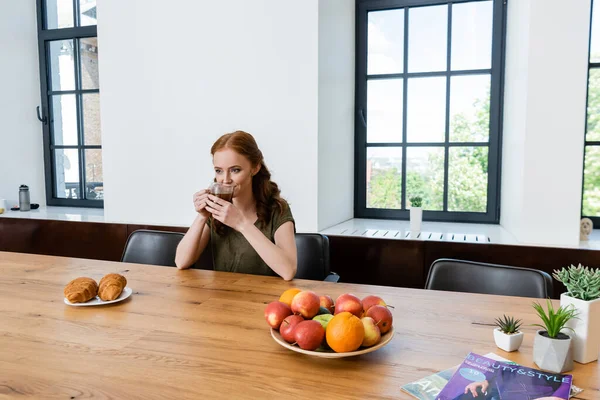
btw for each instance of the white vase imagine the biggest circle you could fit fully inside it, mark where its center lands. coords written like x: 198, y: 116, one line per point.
x: 554, y: 355
x: 586, y: 338
x: 416, y: 217
x: 508, y: 342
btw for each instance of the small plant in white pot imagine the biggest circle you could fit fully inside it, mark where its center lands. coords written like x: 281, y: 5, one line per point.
x: 507, y: 335
x: 551, y: 347
x: 416, y: 213
x: 583, y: 292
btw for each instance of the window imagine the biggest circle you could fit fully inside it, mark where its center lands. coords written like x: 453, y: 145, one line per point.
x: 428, y: 100
x: 591, y: 168
x: 70, y: 111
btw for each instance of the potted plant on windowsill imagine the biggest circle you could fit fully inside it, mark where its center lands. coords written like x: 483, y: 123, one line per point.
x: 416, y: 213
x: 507, y: 335
x: 551, y: 347
x: 583, y: 292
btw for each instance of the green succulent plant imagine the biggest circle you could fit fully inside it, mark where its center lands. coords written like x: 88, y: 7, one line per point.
x: 555, y: 320
x: 416, y: 201
x: 508, y: 325
x: 582, y: 282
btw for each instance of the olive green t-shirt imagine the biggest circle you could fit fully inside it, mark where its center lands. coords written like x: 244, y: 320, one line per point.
x: 232, y: 252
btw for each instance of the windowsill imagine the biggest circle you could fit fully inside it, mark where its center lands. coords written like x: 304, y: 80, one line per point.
x: 437, y: 231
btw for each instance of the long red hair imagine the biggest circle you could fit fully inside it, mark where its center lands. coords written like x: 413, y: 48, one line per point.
x: 265, y: 191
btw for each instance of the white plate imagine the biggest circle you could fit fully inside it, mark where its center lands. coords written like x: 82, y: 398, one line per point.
x: 96, y: 301
x: 385, y: 339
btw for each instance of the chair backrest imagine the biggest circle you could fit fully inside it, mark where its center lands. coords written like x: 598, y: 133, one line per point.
x: 313, y: 256
x: 475, y: 277
x: 152, y: 247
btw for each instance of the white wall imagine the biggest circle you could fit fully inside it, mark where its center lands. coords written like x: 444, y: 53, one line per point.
x: 336, y: 112
x: 176, y: 75
x: 21, y: 149
x: 544, y: 120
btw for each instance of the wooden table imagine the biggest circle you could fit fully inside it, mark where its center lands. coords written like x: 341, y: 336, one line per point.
x: 202, y: 334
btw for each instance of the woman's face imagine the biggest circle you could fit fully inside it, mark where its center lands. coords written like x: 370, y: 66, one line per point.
x: 233, y: 168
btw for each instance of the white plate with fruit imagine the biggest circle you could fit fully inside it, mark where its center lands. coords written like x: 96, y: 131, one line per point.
x: 310, y: 324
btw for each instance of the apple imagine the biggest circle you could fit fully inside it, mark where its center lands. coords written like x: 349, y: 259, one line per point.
x: 287, y: 327
x: 348, y: 302
x: 275, y: 313
x: 372, y: 332
x: 382, y: 316
x: 371, y: 301
x: 309, y: 334
x: 327, y: 302
x: 323, y: 319
x: 306, y: 303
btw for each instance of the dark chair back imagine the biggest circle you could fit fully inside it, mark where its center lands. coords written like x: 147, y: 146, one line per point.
x: 313, y: 257
x: 475, y: 277
x: 152, y: 247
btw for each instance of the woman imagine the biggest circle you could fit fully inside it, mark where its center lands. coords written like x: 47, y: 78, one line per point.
x: 253, y: 234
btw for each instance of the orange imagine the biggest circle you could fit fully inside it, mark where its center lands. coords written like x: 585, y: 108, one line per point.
x: 288, y: 295
x: 345, y: 332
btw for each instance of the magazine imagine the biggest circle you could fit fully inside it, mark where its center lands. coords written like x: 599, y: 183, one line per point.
x: 483, y: 378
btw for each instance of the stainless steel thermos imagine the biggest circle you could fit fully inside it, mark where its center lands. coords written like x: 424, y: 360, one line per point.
x: 24, y: 203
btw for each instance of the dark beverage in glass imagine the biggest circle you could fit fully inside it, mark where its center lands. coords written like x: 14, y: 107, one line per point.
x: 222, y: 190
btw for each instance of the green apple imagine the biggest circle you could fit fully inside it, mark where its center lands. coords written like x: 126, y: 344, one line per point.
x: 323, y: 319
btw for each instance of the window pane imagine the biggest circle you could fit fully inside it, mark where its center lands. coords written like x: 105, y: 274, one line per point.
x: 384, y: 177
x: 427, y: 38
x: 595, y: 39
x: 591, y: 182
x: 470, y: 108
x: 87, y: 9
x: 62, y: 66
x: 386, y: 42
x: 66, y: 162
x: 384, y: 110
x: 64, y: 120
x: 91, y: 119
x: 59, y: 14
x: 425, y: 175
x: 426, y: 109
x: 88, y: 50
x: 593, y: 111
x: 94, y: 186
x: 472, y: 35
x: 468, y: 179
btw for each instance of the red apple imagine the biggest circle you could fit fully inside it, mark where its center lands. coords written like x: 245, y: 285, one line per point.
x: 371, y: 301
x: 287, y: 327
x: 372, y: 332
x: 348, y: 302
x: 306, y: 303
x: 275, y: 313
x: 327, y: 302
x: 382, y: 316
x: 309, y: 334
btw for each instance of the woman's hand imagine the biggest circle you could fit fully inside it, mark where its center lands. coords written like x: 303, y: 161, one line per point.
x: 473, y: 387
x: 200, y: 201
x: 226, y: 212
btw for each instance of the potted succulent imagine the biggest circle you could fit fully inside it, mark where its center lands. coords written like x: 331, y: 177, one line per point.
x: 416, y: 213
x: 551, y: 347
x: 507, y: 335
x: 583, y: 292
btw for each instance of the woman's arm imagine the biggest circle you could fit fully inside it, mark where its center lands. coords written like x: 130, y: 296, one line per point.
x: 193, y: 243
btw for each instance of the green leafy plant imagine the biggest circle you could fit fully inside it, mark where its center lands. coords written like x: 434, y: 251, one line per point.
x: 582, y: 282
x: 416, y: 201
x: 508, y: 325
x: 555, y: 320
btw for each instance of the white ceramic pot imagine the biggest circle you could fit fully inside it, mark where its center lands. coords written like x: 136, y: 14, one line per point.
x: 508, y: 342
x: 552, y: 355
x: 586, y: 327
x: 416, y: 217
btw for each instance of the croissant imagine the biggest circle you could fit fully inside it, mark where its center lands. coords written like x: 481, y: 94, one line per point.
x: 111, y: 286
x: 81, y: 289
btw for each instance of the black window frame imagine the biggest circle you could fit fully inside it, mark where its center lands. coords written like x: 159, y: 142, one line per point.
x: 492, y: 215
x: 44, y: 37
x: 589, y: 143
